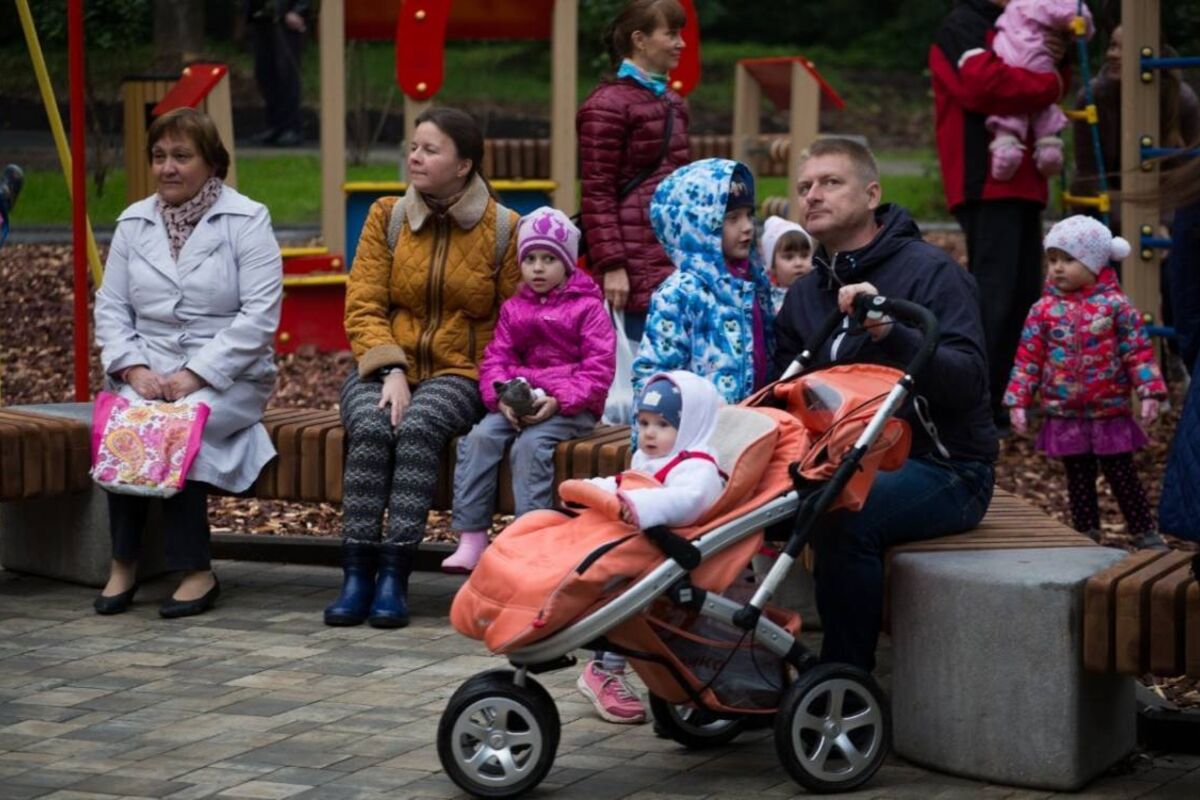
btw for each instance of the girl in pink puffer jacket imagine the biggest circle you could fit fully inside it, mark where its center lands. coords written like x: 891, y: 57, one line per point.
x: 1023, y: 32
x: 556, y: 335
x: 1083, y: 349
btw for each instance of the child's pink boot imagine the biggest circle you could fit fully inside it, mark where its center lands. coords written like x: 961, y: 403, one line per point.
x: 1006, y: 156
x: 1048, y: 155
x: 471, y: 545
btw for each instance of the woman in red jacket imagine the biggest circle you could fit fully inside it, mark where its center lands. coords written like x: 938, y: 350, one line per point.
x: 625, y: 152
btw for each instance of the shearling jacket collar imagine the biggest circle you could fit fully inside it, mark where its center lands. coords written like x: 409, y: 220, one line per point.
x: 466, y: 212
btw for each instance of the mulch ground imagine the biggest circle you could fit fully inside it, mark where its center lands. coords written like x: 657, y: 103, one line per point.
x: 36, y: 309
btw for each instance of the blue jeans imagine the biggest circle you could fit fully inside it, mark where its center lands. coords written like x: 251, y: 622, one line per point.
x: 927, y: 497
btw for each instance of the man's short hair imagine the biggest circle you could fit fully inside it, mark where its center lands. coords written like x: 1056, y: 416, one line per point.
x: 859, y: 154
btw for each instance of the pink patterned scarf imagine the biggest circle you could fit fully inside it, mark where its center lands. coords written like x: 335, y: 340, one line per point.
x: 182, y: 219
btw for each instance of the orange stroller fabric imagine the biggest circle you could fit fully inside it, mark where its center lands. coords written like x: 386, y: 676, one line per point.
x: 548, y: 569
x: 835, y: 405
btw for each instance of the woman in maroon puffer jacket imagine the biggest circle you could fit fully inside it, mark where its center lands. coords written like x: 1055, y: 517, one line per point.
x: 621, y: 127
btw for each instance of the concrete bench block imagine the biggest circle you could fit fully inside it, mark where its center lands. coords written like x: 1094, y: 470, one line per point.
x: 988, y: 679
x: 66, y: 537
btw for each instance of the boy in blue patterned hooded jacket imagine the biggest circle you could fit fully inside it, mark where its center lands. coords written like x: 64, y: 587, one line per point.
x: 713, y: 316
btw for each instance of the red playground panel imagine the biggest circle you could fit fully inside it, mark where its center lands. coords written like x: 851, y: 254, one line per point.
x: 774, y: 75
x: 421, y: 29
x: 192, y: 87
x: 314, y: 302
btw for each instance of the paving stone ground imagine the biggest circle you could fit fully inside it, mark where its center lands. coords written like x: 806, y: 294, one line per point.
x: 258, y: 699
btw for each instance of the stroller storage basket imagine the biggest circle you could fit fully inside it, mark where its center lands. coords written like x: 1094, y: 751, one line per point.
x: 706, y: 658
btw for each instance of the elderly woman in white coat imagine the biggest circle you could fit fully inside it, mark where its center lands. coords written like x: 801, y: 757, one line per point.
x: 188, y: 309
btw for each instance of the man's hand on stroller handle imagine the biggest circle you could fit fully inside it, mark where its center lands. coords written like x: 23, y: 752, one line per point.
x: 876, y: 324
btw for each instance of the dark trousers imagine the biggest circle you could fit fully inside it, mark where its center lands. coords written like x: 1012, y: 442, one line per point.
x: 185, y: 520
x: 927, y: 497
x: 1004, y: 253
x: 277, y: 70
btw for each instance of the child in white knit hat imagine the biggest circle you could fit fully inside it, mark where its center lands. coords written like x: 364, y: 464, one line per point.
x: 787, y: 251
x: 1084, y: 350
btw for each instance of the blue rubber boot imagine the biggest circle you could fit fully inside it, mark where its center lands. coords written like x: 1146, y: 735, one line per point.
x: 359, y: 560
x: 390, y: 607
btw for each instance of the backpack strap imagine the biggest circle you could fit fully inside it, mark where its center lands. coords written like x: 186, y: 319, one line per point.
x: 503, y: 235
x: 395, y: 223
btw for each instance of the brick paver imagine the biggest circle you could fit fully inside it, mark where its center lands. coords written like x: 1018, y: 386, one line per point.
x: 259, y: 700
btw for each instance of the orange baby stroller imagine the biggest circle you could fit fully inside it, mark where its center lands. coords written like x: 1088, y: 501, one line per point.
x: 715, y: 656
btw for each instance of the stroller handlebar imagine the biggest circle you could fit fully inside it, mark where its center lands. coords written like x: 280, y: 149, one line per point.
x: 868, y: 306
x: 874, y: 306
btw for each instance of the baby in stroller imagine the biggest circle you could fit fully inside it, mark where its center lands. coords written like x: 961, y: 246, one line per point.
x: 676, y: 417
x: 714, y: 655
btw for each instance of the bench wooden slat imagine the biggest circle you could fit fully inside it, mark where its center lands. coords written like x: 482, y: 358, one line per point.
x: 1132, y: 623
x: 54, y: 443
x: 34, y: 443
x: 287, y: 441
x: 1168, y: 611
x: 1099, y: 611
x: 313, y: 458
x: 12, y: 466
x: 335, y: 454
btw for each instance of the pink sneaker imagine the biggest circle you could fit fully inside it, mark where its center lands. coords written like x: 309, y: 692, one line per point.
x: 613, y: 698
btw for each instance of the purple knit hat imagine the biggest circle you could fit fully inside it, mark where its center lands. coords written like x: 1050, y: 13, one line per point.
x: 1087, y: 240
x: 548, y: 229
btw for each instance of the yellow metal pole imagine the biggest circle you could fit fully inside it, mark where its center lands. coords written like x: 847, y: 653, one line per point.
x: 56, y: 127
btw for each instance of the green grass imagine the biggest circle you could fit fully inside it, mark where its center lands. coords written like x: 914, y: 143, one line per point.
x: 290, y: 185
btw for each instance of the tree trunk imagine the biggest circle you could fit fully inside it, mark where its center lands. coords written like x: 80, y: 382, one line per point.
x: 178, y: 32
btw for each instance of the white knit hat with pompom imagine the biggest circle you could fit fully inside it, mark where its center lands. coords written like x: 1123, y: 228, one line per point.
x: 1088, y: 241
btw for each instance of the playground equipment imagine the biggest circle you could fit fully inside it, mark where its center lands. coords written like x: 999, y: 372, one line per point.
x: 792, y: 84
x: 314, y: 282
x: 1140, y: 152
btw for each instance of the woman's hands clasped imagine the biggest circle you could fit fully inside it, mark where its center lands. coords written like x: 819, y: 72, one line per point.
x: 150, y: 385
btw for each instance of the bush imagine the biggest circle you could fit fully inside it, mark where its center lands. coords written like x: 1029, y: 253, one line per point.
x: 107, y: 24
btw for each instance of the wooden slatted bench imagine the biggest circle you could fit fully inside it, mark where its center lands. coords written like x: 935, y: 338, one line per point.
x: 1142, y: 616
x: 311, y: 446
x: 42, y: 456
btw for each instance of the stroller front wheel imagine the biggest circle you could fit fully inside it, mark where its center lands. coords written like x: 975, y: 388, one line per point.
x: 695, y: 728
x: 498, y: 739
x: 833, y: 730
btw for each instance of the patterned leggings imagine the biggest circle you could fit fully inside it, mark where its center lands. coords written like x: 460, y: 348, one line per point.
x: 1121, y: 474
x: 399, y: 468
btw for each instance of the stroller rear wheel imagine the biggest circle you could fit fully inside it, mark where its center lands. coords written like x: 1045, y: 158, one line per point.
x: 498, y: 739
x: 693, y: 727
x: 833, y: 730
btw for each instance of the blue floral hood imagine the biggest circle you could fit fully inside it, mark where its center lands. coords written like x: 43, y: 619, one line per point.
x: 687, y: 213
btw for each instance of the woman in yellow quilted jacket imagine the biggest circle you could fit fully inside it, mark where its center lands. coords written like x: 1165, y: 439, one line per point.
x: 430, y: 272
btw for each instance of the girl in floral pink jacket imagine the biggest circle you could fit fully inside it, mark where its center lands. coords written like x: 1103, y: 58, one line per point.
x: 1083, y: 349
x: 554, y: 334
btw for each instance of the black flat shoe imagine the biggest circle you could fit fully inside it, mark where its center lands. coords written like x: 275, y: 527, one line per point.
x: 116, y: 603
x: 173, y: 608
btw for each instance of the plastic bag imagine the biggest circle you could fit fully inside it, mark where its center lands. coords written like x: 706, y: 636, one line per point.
x: 145, y: 447
x: 618, y: 408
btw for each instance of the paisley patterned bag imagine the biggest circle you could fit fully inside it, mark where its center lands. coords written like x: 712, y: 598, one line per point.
x: 145, y: 447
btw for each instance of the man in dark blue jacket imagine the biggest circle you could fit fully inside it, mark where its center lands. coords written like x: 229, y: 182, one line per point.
x: 946, y: 484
